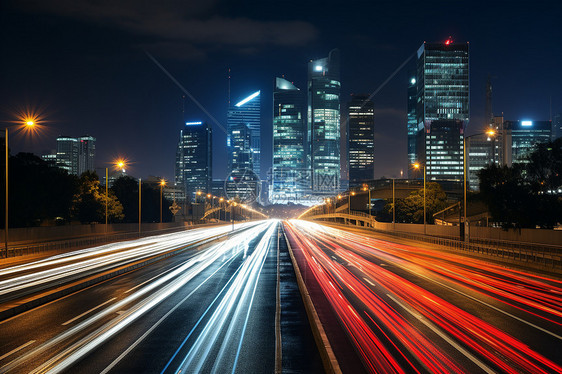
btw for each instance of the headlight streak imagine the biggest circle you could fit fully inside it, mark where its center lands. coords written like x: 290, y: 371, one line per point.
x: 487, y: 341
x: 239, y: 294
x: 106, y: 257
x: 177, y: 278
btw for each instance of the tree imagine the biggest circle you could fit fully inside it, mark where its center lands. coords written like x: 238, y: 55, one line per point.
x: 525, y: 194
x: 89, y: 201
x: 126, y: 189
x: 38, y: 192
x: 410, y: 209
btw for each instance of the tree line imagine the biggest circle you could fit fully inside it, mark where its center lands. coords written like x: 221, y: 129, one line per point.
x: 526, y: 194
x: 42, y: 194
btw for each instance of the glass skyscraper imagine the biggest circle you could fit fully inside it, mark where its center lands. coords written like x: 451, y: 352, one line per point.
x: 412, y: 123
x: 323, y: 125
x: 525, y: 135
x: 76, y: 155
x: 246, y: 112
x: 361, y: 137
x: 290, y: 177
x: 194, y: 161
x: 442, y: 108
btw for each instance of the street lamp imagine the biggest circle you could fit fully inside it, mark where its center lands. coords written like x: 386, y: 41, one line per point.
x: 29, y: 124
x: 162, y: 184
x: 220, y: 201
x: 367, y: 188
x: 417, y: 165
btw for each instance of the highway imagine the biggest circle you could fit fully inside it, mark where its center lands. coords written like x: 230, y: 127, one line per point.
x: 414, y: 309
x: 210, y: 306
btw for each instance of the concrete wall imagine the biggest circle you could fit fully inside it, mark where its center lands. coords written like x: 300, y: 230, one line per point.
x: 39, y: 234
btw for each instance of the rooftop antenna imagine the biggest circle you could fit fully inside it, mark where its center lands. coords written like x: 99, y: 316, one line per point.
x: 550, y: 108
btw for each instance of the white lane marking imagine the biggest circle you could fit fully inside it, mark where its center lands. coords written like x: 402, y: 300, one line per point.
x: 368, y: 281
x: 143, y: 283
x: 83, y: 314
x: 17, y: 349
x: 384, y: 265
x: 444, y: 336
x: 489, y: 305
x: 121, y: 312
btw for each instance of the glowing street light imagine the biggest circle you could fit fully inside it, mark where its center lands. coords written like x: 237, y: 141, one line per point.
x: 162, y: 184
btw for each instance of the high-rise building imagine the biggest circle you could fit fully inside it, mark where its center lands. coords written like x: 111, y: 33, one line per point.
x: 67, y: 154
x: 442, y: 108
x: 246, y: 112
x: 290, y: 178
x: 524, y: 136
x: 361, y: 136
x: 412, y: 123
x: 323, y: 124
x: 194, y: 161
x: 86, y: 153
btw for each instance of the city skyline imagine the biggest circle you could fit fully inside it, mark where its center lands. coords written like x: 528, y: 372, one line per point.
x: 131, y: 79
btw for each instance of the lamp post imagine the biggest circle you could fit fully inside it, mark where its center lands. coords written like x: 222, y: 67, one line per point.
x: 367, y: 188
x: 220, y: 204
x: 162, y: 184
x: 393, y: 206
x: 28, y: 123
x: 417, y: 165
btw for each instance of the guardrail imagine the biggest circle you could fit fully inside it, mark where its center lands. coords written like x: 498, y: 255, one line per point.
x: 548, y: 256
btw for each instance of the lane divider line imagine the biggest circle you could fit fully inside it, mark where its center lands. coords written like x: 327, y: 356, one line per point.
x: 17, y: 349
x: 86, y: 312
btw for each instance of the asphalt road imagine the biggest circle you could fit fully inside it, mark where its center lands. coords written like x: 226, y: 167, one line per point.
x: 411, y: 308
x: 209, y: 308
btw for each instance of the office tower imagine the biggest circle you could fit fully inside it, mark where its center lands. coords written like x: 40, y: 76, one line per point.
x: 522, y: 136
x: 412, y: 123
x: 289, y: 178
x: 194, y: 165
x: 361, y: 135
x: 86, y: 153
x: 442, y: 108
x: 67, y: 154
x: 323, y: 124
x: 246, y: 112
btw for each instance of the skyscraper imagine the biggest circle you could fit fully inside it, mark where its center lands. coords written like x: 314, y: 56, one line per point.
x: 361, y: 135
x: 412, y: 123
x: 86, y: 153
x: 323, y: 125
x: 442, y: 107
x: 194, y: 166
x: 246, y: 112
x: 67, y: 154
x: 290, y: 178
x: 524, y: 136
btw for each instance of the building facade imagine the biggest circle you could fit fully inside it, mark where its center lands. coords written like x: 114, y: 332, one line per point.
x: 361, y: 139
x: 290, y: 178
x: 524, y: 135
x: 194, y: 161
x: 246, y: 112
x: 412, y: 123
x: 86, y: 154
x: 442, y: 108
x: 323, y: 123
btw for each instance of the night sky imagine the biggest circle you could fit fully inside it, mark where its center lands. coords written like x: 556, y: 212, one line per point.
x: 83, y: 65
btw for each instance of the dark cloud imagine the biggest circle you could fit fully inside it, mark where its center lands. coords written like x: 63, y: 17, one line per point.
x: 189, y: 22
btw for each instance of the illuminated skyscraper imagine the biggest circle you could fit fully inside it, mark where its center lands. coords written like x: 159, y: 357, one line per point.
x: 525, y: 135
x: 323, y: 125
x: 442, y: 108
x: 67, y: 154
x: 290, y: 178
x: 412, y: 122
x: 361, y: 135
x: 194, y: 161
x: 246, y: 112
x: 86, y: 153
